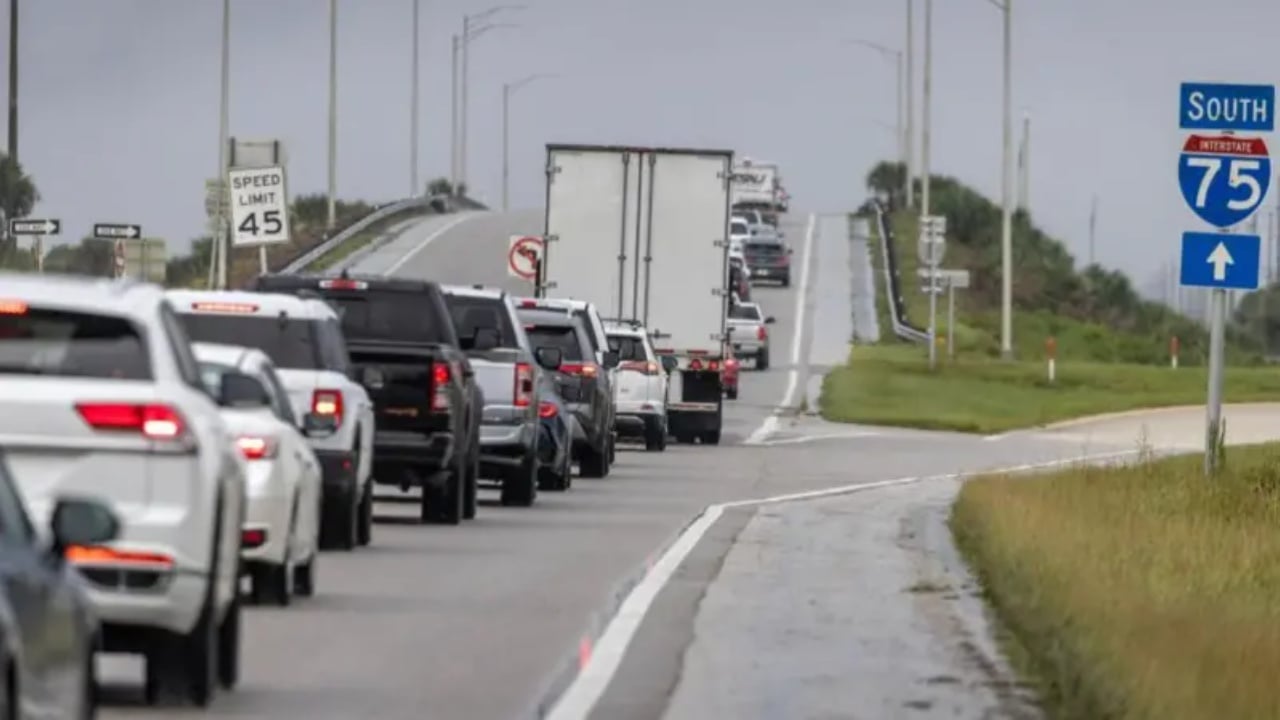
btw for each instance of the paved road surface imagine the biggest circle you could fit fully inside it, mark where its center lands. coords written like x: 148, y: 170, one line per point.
x: 866, y: 323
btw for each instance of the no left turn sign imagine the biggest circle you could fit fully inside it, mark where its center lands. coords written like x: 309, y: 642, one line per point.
x: 523, y: 255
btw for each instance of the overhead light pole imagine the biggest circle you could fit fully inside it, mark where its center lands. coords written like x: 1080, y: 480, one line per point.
x: 13, y: 82
x: 472, y: 29
x: 926, y: 120
x: 1006, y: 189
x: 333, y: 115
x: 413, y: 105
x: 220, y: 252
x: 910, y: 83
x: 895, y: 56
x: 453, y: 116
x: 508, y: 89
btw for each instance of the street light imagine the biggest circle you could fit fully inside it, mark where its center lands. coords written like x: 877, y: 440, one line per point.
x: 1006, y: 159
x: 333, y: 115
x: 456, y: 153
x: 508, y: 89
x: 219, y: 252
x: 413, y: 107
x: 467, y: 36
x: 897, y: 58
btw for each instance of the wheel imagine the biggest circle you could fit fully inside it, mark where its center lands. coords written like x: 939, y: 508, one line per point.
x: 273, y: 583
x: 520, y: 486
x: 364, y: 524
x: 556, y: 479
x: 229, y: 646
x: 655, y: 440
x: 443, y: 505
x: 731, y: 393
x: 469, y: 500
x: 10, y: 707
x: 185, y: 664
x: 594, y: 463
x: 711, y: 437
x: 762, y: 360
x: 304, y: 578
x: 339, y: 527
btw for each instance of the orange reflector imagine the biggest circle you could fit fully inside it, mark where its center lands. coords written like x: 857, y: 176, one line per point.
x: 96, y: 555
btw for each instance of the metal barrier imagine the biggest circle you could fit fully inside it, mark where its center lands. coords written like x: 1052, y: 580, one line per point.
x: 436, y: 204
x: 901, y: 328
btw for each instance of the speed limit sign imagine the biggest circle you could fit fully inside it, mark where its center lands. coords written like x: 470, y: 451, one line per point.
x: 259, y: 206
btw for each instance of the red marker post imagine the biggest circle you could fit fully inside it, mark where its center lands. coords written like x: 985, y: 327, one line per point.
x: 1051, y: 352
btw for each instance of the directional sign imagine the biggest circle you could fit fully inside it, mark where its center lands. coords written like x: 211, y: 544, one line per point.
x: 35, y: 227
x: 1242, y: 108
x: 523, y: 255
x: 1224, y: 179
x: 958, y: 279
x: 259, y: 206
x: 116, y: 230
x: 1220, y: 260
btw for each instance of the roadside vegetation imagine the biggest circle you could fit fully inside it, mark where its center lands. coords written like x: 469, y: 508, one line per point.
x: 1144, y: 591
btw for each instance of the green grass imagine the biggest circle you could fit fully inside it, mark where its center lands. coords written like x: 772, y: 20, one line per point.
x: 362, y: 239
x: 892, y: 385
x: 1143, y: 592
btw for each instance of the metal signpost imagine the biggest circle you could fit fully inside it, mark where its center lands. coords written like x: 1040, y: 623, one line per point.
x: 119, y: 233
x: 931, y: 249
x: 40, y: 229
x: 1224, y: 179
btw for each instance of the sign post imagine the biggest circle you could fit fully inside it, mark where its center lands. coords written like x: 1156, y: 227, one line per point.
x: 932, y: 247
x: 524, y: 260
x: 952, y: 280
x: 1224, y: 180
x: 39, y: 229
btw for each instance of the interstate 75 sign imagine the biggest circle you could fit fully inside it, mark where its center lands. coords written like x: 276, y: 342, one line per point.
x: 1224, y: 178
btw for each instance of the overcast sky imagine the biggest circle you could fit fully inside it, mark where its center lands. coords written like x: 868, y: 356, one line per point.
x: 119, y: 98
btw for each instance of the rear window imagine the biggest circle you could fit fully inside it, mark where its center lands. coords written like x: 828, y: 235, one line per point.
x: 557, y: 336
x: 744, y: 312
x: 472, y: 313
x: 590, y: 327
x: 764, y: 249
x: 628, y: 348
x: 738, y: 228
x: 387, y: 316
x: 290, y: 342
x: 72, y: 344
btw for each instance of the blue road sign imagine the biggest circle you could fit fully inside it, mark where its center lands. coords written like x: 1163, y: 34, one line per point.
x: 1224, y: 179
x: 1242, y: 108
x: 1220, y: 260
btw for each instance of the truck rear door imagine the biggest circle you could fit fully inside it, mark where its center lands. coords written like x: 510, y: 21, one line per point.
x: 402, y: 383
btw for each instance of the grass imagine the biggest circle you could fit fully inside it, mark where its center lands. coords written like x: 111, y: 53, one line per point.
x: 1143, y: 592
x: 362, y: 239
x: 892, y: 385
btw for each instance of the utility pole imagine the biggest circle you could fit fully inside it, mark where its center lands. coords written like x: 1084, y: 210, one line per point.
x: 468, y: 34
x: 1024, y: 167
x: 333, y: 116
x: 13, y: 83
x: 1093, y: 228
x: 899, y: 132
x: 453, y: 119
x: 507, y: 90
x: 413, y: 107
x: 1006, y: 229
x: 928, y: 92
x: 911, y: 105
x: 220, y: 252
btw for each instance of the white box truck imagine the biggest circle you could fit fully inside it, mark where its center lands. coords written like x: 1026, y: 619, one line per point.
x: 756, y: 185
x: 643, y: 234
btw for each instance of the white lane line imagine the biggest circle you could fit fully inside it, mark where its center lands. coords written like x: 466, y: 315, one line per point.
x: 427, y: 241
x: 602, y: 661
x: 815, y: 438
x: 770, y: 423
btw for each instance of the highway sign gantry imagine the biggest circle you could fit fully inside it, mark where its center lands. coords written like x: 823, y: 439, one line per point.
x: 1222, y: 106
x: 523, y: 255
x: 1224, y: 179
x: 28, y: 226
x: 1220, y: 260
x: 115, y: 231
x: 259, y: 206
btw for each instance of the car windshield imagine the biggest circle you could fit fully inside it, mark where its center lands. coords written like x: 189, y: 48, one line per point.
x: 72, y: 344
x: 473, y: 313
x: 745, y: 312
x: 562, y: 337
x: 738, y: 228
x: 289, y: 342
x: 628, y: 347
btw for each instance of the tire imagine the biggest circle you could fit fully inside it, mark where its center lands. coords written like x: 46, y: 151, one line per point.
x: 613, y: 449
x: 762, y: 360
x: 731, y: 393
x: 443, y: 506
x: 88, y: 688
x: 10, y: 704
x: 304, y: 578
x: 655, y: 438
x: 594, y: 463
x: 711, y: 437
x: 364, y: 522
x: 339, y: 526
x: 520, y: 486
x: 469, y: 499
x: 273, y: 584
x: 556, y: 479
x: 229, y: 647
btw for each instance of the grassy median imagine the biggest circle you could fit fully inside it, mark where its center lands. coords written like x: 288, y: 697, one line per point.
x: 892, y: 385
x: 1137, y: 592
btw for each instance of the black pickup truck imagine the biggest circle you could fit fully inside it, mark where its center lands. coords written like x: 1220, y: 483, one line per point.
x: 427, y: 406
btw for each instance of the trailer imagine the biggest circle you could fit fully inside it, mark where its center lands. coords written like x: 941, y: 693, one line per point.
x: 643, y: 234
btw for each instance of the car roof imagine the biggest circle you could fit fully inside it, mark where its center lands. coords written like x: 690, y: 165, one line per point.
x: 234, y: 355
x: 476, y: 291
x: 77, y: 292
x: 245, y: 302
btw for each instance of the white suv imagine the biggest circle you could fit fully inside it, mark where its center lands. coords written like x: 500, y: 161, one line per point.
x: 640, y: 392
x: 101, y: 395
x: 304, y: 340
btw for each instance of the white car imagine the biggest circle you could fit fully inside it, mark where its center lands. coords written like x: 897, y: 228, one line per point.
x: 101, y: 396
x: 739, y: 233
x: 640, y: 392
x: 304, y: 340
x: 281, y: 531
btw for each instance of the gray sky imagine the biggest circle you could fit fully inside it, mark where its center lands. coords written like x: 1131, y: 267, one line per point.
x: 119, y: 97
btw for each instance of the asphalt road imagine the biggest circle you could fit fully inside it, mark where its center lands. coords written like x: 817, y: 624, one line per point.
x: 475, y: 621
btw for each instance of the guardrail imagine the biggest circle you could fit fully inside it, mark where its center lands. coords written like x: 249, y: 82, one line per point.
x: 901, y: 327
x: 441, y: 204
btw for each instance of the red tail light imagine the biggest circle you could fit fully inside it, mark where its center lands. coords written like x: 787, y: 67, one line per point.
x: 440, y: 378
x: 154, y: 421
x: 13, y: 307
x: 328, y: 402
x: 695, y: 364
x: 640, y: 366
x: 713, y: 365
x: 252, y: 538
x: 547, y: 410
x: 257, y: 447
x: 588, y: 370
x: 523, y: 392
x: 761, y: 333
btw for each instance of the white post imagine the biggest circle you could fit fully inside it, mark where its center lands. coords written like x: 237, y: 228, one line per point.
x: 928, y: 92
x: 951, y: 320
x: 453, y: 118
x: 910, y: 90
x: 902, y: 136
x: 462, y: 125
x: 414, y: 190
x: 1006, y: 230
x: 333, y: 114
x: 933, y: 302
x: 219, y: 251
x: 1218, y: 303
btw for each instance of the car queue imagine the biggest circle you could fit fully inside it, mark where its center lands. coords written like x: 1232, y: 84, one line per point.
x: 181, y: 444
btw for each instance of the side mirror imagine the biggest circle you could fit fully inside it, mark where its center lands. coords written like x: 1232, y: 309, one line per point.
x: 770, y: 320
x: 242, y: 391
x: 485, y: 339
x: 549, y: 358
x: 670, y: 363
x: 317, y: 425
x: 611, y: 359
x: 81, y: 521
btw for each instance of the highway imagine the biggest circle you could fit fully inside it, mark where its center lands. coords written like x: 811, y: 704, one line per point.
x: 493, y: 618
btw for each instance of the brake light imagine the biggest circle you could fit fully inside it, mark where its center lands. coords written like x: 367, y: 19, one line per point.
x: 343, y: 284
x: 440, y: 377
x: 695, y: 364
x: 528, y: 303
x: 731, y: 364
x: 328, y: 402
x: 523, y: 391
x: 648, y: 368
x: 96, y: 555
x: 253, y: 537
x: 761, y: 333
x: 547, y: 410
x: 257, y: 447
x: 588, y: 370
x: 154, y: 421
x: 713, y: 365
x: 224, y: 307
x: 13, y: 307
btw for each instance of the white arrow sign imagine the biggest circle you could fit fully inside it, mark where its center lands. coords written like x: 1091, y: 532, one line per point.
x: 1220, y: 259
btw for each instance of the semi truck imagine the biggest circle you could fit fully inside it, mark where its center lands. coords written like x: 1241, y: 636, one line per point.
x: 643, y: 234
x: 757, y: 185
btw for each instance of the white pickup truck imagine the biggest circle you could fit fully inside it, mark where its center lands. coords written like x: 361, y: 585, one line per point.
x: 749, y: 334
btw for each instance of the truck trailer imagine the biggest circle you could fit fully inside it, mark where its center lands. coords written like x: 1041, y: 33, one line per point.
x: 643, y: 234
x: 757, y: 185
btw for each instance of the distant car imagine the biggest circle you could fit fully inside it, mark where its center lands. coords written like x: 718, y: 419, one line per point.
x: 48, y: 630
x: 281, y: 532
x: 739, y: 233
x: 739, y: 278
x: 770, y: 260
x: 749, y: 334
x: 101, y: 396
x: 305, y: 342
x: 641, y: 391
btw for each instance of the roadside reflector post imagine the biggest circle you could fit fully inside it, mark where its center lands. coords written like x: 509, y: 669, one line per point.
x: 1051, y: 352
x: 1173, y: 352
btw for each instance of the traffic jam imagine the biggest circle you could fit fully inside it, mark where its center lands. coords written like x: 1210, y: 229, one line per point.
x: 170, y: 457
